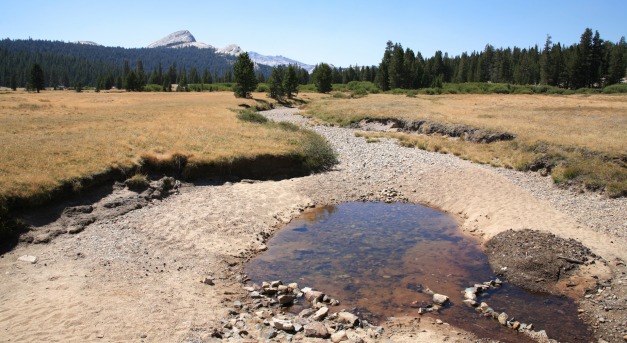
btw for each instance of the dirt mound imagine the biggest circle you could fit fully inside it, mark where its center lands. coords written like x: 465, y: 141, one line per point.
x: 536, y: 260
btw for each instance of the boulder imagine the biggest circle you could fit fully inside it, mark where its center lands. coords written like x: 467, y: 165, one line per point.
x: 27, y: 258
x: 320, y: 314
x: 286, y: 299
x: 281, y: 324
x: 312, y: 296
x: 316, y: 330
x: 347, y: 318
x: 440, y: 299
x: 339, y: 336
x: 503, y: 318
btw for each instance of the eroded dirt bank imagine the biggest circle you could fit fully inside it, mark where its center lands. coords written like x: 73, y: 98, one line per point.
x: 135, y: 277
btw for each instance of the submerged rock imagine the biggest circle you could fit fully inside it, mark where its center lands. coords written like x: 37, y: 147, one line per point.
x: 440, y: 299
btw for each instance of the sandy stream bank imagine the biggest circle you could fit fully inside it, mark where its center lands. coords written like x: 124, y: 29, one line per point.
x: 135, y: 277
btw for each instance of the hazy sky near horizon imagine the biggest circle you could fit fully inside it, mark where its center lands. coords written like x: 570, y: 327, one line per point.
x: 339, y: 32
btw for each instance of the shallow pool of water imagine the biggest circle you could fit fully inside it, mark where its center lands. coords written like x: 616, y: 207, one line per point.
x: 380, y: 258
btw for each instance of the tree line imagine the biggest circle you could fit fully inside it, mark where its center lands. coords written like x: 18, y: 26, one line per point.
x: 67, y: 64
x: 593, y: 62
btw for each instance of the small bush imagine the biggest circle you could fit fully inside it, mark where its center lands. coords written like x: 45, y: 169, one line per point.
x: 153, y: 88
x: 317, y: 153
x: 339, y: 95
x: 251, y: 116
x: 262, y: 87
x: 620, y: 88
x: 137, y: 182
x: 359, y: 93
x: 288, y: 126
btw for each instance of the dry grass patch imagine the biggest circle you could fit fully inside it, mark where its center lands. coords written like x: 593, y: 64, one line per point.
x: 55, y: 138
x: 579, y: 139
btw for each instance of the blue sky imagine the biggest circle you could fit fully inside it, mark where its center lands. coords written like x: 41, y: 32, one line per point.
x: 339, y: 32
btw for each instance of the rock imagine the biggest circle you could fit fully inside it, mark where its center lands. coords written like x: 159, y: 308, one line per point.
x: 470, y: 293
x: 440, y: 299
x: 439, y: 321
x: 75, y: 229
x: 281, y: 324
x: 207, y: 281
x: 312, y: 296
x: 298, y: 327
x: 306, y: 289
x: 483, y: 307
x: 286, y: 299
x: 316, y: 330
x: 502, y: 318
x: 27, y: 258
x: 255, y: 295
x: 293, y: 285
x: 339, y: 336
x: 275, y: 284
x: 320, y: 314
x: 347, y: 318
x: 306, y: 313
x: 516, y: 325
x: 470, y: 303
x: 237, y: 304
x: 269, y: 333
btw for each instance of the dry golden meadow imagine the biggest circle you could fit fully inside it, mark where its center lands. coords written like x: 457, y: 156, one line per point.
x: 55, y: 137
x: 585, y: 136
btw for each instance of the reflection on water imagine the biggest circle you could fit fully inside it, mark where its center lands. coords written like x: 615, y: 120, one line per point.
x: 380, y: 257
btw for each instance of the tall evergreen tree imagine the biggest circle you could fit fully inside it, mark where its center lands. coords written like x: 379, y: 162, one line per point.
x: 290, y: 82
x: 580, y: 70
x: 396, y: 67
x: 276, y: 83
x: 546, y: 63
x: 383, y: 77
x: 618, y: 62
x: 37, y: 77
x: 323, y: 78
x: 596, y: 60
x: 13, y: 82
x: 244, y: 72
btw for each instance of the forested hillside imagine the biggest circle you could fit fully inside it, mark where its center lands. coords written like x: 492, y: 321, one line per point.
x: 68, y: 64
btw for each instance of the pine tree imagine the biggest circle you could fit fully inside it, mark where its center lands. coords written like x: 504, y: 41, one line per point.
x: 546, y: 63
x: 596, y: 60
x: 244, y: 72
x: 13, y: 82
x: 618, y: 62
x: 323, y: 78
x: 276, y: 83
x: 290, y: 82
x: 395, y: 70
x: 206, y: 76
x: 37, y: 77
x: 580, y: 71
x: 383, y: 76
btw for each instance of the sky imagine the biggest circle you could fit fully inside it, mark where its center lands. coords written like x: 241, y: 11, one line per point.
x: 339, y: 32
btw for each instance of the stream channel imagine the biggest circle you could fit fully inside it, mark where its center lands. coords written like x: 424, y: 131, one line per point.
x: 381, y: 259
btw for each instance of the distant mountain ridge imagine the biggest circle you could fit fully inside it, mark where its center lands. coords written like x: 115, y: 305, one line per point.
x: 184, y: 38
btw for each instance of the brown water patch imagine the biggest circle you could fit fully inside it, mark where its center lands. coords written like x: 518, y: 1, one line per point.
x: 380, y: 258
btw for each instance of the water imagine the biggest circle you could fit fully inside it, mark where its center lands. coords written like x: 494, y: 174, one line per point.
x: 379, y: 258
